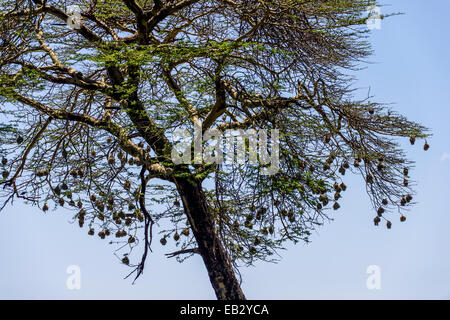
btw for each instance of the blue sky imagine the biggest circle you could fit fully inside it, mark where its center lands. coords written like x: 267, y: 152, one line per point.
x: 410, y: 68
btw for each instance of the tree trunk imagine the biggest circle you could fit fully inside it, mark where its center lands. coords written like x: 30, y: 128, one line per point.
x: 217, y: 262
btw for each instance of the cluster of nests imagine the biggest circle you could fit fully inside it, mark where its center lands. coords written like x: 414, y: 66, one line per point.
x: 100, y: 205
x: 258, y: 215
x: 128, y: 219
x: 324, y: 200
x: 5, y: 173
x: 58, y: 190
x: 426, y: 146
x: 369, y: 179
x: 256, y: 241
x: 64, y: 188
x: 405, y: 199
x: 80, y: 172
x: 111, y: 159
x: 123, y: 160
x: 176, y: 236
x: 357, y: 162
x: 75, y: 173
x: 252, y: 249
x: 122, y: 157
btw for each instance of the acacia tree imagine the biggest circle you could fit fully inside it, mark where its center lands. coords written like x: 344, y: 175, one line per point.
x: 90, y: 105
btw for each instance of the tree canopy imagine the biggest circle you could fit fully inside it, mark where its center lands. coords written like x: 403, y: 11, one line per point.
x: 90, y: 109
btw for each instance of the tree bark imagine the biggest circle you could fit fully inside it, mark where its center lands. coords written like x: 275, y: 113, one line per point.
x: 217, y: 262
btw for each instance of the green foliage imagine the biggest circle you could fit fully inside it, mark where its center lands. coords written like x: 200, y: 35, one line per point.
x: 121, y: 85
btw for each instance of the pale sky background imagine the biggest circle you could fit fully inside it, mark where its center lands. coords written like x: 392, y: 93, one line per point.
x: 411, y: 68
